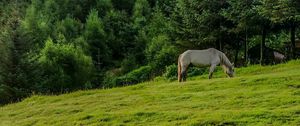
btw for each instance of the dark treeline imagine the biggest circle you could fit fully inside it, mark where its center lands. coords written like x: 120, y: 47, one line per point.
x: 57, y: 46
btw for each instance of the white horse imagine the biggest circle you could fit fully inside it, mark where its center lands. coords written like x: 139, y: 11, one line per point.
x: 203, y: 58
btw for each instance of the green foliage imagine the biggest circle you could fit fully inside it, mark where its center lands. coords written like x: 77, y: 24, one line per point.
x: 120, y: 34
x: 280, y: 11
x: 12, y: 48
x: 160, y: 52
x: 96, y: 38
x: 278, y: 41
x: 141, y: 13
x: 69, y: 27
x: 171, y: 72
x: 124, y: 5
x: 94, y: 24
x: 199, y: 22
x: 5, y: 53
x: 103, y: 6
x: 9, y: 94
x: 65, y: 67
x: 129, y: 64
x: 110, y: 79
x: 195, y: 71
x: 159, y: 24
x: 139, y: 75
x: 35, y: 28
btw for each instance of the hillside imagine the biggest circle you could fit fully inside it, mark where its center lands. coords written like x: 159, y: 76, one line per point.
x: 256, y: 96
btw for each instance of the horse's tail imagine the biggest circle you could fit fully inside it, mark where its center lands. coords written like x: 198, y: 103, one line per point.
x: 179, y: 69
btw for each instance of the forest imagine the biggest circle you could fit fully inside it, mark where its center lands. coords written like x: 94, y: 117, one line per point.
x: 59, y: 46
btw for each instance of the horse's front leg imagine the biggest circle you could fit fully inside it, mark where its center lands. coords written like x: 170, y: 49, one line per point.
x: 211, y: 70
x: 184, y: 75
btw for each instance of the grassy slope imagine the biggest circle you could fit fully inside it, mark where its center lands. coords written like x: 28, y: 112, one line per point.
x: 257, y: 96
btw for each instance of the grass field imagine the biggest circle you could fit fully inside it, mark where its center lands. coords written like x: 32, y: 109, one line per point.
x: 256, y: 96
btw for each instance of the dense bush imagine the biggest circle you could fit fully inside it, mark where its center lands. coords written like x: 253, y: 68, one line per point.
x: 129, y: 64
x: 194, y: 71
x: 171, y: 72
x: 65, y: 67
x: 9, y: 94
x: 136, y: 76
x: 110, y: 78
x: 161, y: 53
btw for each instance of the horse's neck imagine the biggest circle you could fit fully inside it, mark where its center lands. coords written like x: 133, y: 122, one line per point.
x: 224, y: 60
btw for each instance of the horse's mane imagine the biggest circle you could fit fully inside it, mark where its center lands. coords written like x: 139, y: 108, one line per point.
x: 224, y: 60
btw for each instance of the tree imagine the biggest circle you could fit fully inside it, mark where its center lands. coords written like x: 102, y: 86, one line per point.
x: 160, y: 48
x: 124, y: 5
x: 65, y: 67
x: 103, y: 7
x: 11, y: 45
x: 160, y: 52
x: 35, y: 27
x: 141, y: 13
x: 96, y: 38
x: 199, y: 23
x: 69, y: 27
x: 120, y: 34
x: 285, y: 12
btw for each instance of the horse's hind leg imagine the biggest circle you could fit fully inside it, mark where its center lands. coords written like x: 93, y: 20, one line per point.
x: 183, y: 73
x: 211, y: 70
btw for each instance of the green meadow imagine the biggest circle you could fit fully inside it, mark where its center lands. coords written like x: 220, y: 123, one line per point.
x: 258, y: 95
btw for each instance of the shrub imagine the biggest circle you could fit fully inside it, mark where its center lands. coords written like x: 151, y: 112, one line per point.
x: 129, y: 64
x: 9, y: 94
x: 136, y: 76
x: 160, y: 52
x: 65, y: 67
x: 195, y: 71
x: 110, y: 79
x: 171, y: 72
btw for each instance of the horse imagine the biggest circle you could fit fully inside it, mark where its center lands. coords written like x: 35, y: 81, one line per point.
x: 279, y: 57
x: 203, y: 58
x: 270, y: 56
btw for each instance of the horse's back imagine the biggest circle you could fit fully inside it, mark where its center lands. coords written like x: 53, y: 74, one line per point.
x: 201, y: 57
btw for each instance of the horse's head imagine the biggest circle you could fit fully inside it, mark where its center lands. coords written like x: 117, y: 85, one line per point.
x: 230, y: 70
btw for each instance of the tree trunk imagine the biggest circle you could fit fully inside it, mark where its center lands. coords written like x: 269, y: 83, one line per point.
x: 246, y: 47
x: 236, y: 54
x: 293, y: 30
x: 237, y: 48
x: 262, y: 45
x: 220, y: 45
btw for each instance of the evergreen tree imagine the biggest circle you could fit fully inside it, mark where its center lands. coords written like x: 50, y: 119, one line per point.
x: 285, y: 12
x: 96, y: 38
x: 65, y: 67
